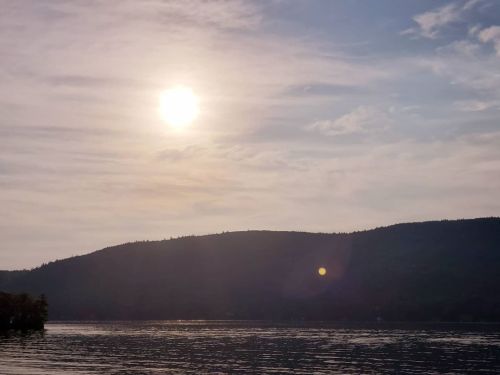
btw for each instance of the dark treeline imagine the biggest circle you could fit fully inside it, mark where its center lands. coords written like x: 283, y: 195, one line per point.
x: 22, y: 312
x: 434, y: 271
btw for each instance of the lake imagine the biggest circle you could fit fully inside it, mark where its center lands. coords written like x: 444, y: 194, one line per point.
x: 220, y: 347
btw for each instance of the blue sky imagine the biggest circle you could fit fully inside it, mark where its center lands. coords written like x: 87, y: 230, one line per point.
x: 314, y: 115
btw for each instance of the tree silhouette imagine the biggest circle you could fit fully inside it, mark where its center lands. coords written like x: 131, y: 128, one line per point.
x: 21, y: 311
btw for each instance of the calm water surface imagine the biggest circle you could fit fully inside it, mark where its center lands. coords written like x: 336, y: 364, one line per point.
x: 197, y: 347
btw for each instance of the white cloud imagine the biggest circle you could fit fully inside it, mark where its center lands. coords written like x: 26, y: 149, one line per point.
x: 461, y: 47
x: 431, y: 22
x: 361, y: 119
x: 476, y: 73
x: 491, y: 35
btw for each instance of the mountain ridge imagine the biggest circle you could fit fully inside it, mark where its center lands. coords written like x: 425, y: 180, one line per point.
x: 389, y: 226
x: 435, y: 270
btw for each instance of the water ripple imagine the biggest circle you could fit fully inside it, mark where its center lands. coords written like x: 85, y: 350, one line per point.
x: 194, y: 347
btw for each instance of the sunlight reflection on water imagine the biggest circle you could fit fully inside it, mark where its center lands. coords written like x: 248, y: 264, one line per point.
x: 250, y: 347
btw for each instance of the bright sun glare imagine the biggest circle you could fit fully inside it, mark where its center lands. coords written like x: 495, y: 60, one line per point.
x: 179, y: 106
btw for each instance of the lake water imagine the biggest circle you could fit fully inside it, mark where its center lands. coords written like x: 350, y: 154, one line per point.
x: 197, y: 347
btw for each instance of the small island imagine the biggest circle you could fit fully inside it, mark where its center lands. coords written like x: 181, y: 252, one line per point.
x: 22, y: 312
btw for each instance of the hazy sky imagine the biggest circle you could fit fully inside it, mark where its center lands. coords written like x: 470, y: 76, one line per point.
x: 314, y: 115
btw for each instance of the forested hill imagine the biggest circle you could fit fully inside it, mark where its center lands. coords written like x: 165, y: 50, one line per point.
x: 447, y: 270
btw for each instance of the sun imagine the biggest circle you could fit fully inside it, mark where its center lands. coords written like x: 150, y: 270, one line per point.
x: 179, y: 106
x: 322, y: 271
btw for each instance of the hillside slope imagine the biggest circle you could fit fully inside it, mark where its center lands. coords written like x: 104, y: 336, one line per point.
x: 446, y: 270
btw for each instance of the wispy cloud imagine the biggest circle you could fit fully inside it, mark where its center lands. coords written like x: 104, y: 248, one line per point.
x: 234, y: 14
x: 491, y: 35
x: 430, y: 23
x: 361, y: 119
